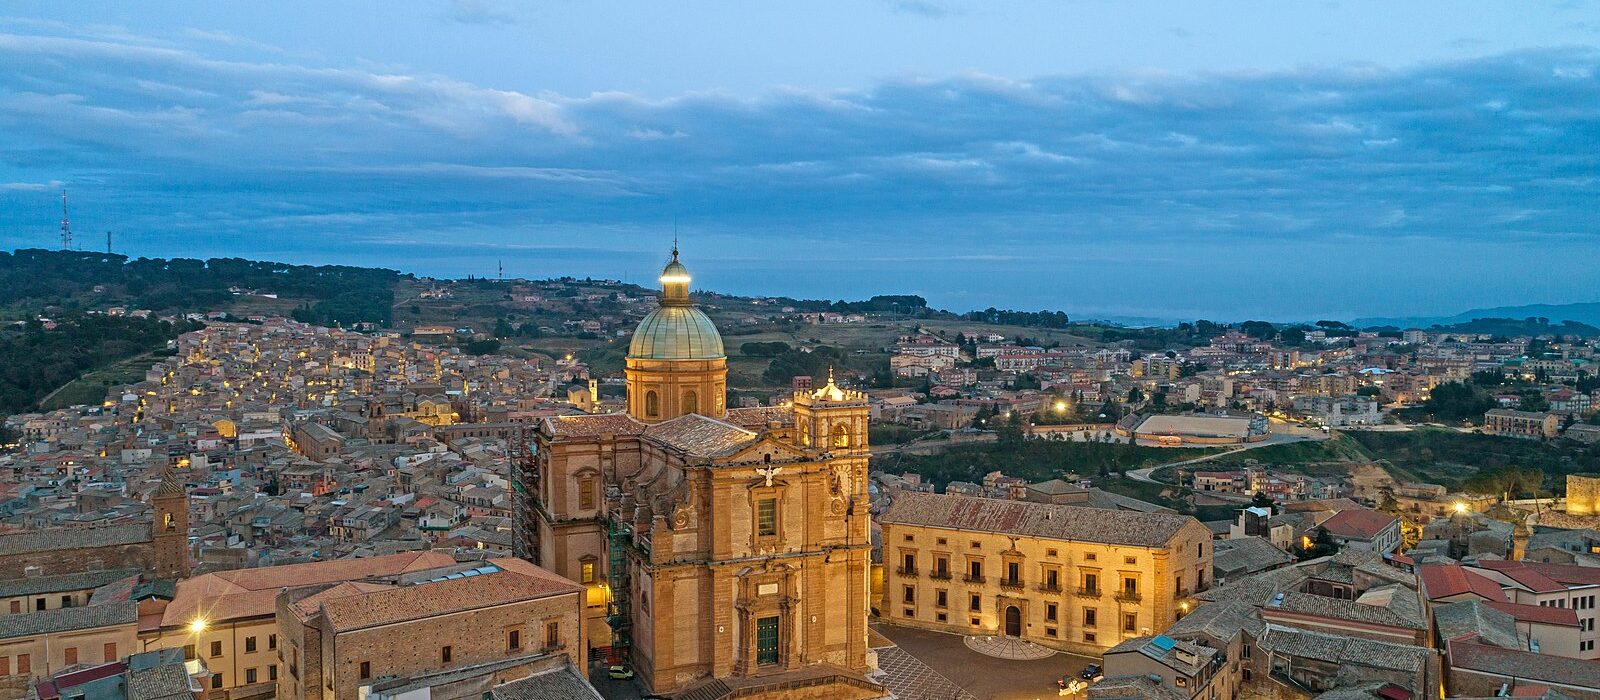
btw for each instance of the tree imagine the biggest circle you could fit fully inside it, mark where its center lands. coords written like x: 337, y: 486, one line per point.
x: 1261, y: 500
x: 1260, y: 330
x: 1457, y: 401
x: 1322, y: 546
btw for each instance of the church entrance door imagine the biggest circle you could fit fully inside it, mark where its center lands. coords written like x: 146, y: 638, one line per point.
x: 1013, y: 621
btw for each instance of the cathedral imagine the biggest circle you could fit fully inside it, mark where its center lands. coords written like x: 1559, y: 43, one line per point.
x: 726, y: 551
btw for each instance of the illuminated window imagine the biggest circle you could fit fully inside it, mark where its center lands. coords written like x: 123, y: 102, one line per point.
x: 586, y: 494
x: 767, y: 517
x: 841, y: 436
x: 588, y: 572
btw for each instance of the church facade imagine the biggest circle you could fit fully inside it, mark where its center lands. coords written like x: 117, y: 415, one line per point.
x: 722, y: 549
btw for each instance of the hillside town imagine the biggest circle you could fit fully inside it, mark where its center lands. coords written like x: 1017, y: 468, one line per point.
x: 280, y: 509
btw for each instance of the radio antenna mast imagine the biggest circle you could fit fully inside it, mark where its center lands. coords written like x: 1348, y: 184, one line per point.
x: 66, y: 225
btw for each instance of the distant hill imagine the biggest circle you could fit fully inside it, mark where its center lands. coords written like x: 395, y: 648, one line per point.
x: 1584, y: 312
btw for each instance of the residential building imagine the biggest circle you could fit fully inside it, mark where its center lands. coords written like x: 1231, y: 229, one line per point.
x: 1522, y: 424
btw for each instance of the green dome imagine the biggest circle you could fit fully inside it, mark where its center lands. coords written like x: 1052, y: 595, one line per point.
x: 676, y: 333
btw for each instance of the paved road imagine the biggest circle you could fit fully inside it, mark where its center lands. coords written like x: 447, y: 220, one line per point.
x: 1282, y: 433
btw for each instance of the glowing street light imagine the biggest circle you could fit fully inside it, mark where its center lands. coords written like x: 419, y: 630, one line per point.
x: 197, y: 625
x: 1461, y: 507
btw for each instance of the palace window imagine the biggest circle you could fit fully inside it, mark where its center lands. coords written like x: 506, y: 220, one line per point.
x: 691, y: 402
x: 652, y: 404
x: 976, y: 603
x: 552, y: 634
x: 366, y: 670
x: 911, y: 594
x: 249, y: 644
x: 767, y: 517
x: 940, y: 599
x: 1050, y: 612
x: 513, y: 640
x: 1130, y: 622
x: 1089, y: 618
x: 446, y: 653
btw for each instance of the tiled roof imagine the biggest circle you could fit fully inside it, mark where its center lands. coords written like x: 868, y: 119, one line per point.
x: 1134, y: 687
x: 516, y: 581
x: 757, y: 418
x: 87, y: 580
x: 1246, y: 555
x: 1258, y: 589
x: 1344, y: 649
x: 68, y: 619
x: 1537, y: 613
x: 699, y: 435
x: 1393, y: 605
x: 557, y: 684
x: 1523, y: 665
x: 242, y: 593
x: 588, y: 426
x: 1446, y: 580
x: 1477, y: 621
x: 1220, y: 621
x: 52, y: 539
x: 1523, y: 574
x: 1358, y: 523
x: 1045, y: 520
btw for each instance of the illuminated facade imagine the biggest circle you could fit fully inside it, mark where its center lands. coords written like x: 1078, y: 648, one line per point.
x: 718, y: 546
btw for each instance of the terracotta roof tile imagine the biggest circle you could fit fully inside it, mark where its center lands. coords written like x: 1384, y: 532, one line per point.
x: 594, y: 425
x: 1358, y: 523
x: 1036, y: 519
x: 242, y: 593
x: 511, y: 583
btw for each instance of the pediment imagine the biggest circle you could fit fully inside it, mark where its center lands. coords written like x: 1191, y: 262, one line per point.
x: 767, y: 449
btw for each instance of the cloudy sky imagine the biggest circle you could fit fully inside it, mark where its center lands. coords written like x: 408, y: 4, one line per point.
x: 1178, y: 159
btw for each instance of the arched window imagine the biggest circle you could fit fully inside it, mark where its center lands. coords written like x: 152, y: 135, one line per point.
x: 691, y: 403
x: 841, y: 436
x: 652, y: 405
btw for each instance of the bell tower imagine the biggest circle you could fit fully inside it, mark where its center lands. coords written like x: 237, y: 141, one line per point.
x: 675, y: 363
x: 169, y: 534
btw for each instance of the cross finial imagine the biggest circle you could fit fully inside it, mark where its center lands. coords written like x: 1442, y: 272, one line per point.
x: 674, y: 247
x: 830, y: 374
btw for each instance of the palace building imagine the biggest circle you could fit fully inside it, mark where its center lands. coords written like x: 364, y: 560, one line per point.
x: 725, y: 551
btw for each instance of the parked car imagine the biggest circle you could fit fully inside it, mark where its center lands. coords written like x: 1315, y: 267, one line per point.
x: 1092, y: 672
x: 620, y: 673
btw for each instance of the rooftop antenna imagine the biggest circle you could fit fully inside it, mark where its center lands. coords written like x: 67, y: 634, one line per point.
x: 501, y: 266
x: 108, y: 243
x: 66, y: 226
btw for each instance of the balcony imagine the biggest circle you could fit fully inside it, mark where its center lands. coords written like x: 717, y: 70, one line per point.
x: 939, y: 574
x: 1049, y: 588
x: 907, y: 571
x: 1127, y: 596
x: 1088, y: 593
x: 1012, y: 584
x: 969, y: 578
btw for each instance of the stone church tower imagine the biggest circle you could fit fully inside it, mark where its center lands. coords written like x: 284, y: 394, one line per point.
x: 723, y: 549
x: 169, y: 533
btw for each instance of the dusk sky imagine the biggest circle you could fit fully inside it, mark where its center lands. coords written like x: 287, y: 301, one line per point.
x: 1225, y: 160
